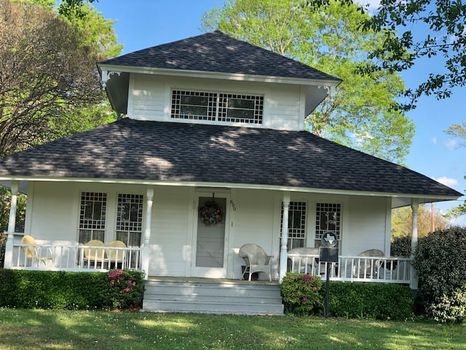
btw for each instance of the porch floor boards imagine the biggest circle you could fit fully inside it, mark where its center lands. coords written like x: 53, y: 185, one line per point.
x: 210, y: 280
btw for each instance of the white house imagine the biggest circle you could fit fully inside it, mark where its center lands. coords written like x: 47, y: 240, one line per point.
x: 213, y: 124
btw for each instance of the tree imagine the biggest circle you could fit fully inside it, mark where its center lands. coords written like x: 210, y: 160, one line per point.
x: 402, y: 221
x: 49, y: 82
x: 362, y: 114
x: 427, y: 29
x: 458, y: 130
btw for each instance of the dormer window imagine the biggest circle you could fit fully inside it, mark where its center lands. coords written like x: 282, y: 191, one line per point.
x: 217, y: 106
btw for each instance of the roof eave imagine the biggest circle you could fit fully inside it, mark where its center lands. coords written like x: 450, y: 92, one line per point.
x: 218, y: 75
x: 427, y: 198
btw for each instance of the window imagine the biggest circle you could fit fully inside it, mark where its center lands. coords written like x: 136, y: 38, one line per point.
x: 328, y: 219
x: 221, y: 107
x: 92, y: 216
x: 240, y: 108
x: 296, y: 225
x: 129, y: 219
x: 194, y: 105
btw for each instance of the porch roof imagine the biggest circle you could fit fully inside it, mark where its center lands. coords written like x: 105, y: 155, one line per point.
x: 182, y: 152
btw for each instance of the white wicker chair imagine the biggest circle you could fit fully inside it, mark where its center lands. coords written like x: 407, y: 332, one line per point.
x: 366, y: 270
x: 256, y: 260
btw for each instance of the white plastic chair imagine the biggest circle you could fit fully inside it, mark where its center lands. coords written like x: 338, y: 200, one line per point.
x: 34, y: 252
x: 256, y: 260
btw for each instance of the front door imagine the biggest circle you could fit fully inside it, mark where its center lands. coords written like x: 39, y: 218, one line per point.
x: 210, y: 237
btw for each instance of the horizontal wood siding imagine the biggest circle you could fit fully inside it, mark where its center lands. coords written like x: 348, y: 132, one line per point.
x: 150, y: 98
x: 254, y: 214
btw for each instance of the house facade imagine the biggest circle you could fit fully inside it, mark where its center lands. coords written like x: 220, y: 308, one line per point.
x: 212, y: 155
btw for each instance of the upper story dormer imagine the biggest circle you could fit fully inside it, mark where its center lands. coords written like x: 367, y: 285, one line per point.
x: 215, y: 79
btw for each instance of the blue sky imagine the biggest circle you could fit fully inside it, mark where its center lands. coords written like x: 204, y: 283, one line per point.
x: 144, y: 23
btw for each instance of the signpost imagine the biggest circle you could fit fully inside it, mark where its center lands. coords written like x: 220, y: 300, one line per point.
x: 328, y: 254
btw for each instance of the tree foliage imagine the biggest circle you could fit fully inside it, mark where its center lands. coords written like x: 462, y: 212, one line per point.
x: 402, y: 221
x: 49, y: 82
x: 427, y: 29
x: 363, y: 112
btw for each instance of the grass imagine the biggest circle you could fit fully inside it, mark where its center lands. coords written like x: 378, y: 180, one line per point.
x: 48, y: 329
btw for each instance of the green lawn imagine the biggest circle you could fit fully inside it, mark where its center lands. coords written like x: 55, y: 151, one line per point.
x: 117, y: 330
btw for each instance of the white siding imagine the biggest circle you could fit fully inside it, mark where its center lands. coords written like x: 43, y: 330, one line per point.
x: 254, y: 218
x: 150, y: 99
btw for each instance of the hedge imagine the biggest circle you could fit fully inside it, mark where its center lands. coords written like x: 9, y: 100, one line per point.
x: 440, y: 262
x: 381, y: 301
x: 303, y: 295
x: 71, y: 290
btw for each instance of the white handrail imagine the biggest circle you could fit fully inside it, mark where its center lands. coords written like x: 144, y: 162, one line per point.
x: 354, y: 268
x: 74, y: 257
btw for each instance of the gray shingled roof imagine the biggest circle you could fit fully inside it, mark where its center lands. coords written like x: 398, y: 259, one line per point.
x: 149, y: 150
x: 218, y: 52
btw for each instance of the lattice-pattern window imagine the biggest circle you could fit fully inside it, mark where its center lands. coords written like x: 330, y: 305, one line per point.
x: 129, y: 219
x: 296, y: 224
x: 216, y: 106
x: 328, y: 219
x: 194, y: 105
x: 240, y: 108
x: 92, y: 216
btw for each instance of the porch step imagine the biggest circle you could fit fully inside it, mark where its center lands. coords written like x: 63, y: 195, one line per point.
x: 217, y: 298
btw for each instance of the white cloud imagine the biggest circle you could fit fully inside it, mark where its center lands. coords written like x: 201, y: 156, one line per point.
x: 447, y: 181
x: 434, y: 140
x: 452, y: 144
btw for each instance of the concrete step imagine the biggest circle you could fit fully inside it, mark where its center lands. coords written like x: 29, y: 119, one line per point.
x: 231, y: 290
x: 229, y: 297
x: 213, y: 308
x: 214, y: 298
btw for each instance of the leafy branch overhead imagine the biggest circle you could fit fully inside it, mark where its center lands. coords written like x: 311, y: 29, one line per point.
x: 363, y: 112
x: 427, y: 29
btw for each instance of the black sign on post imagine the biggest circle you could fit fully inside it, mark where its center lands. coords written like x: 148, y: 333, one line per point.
x: 329, y: 254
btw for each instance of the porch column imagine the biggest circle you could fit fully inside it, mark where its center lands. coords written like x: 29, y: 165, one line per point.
x: 11, y: 226
x: 414, y: 209
x: 147, y: 232
x: 284, y: 240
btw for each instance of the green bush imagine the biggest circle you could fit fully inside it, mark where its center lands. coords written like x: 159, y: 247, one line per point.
x: 370, y: 300
x: 440, y: 263
x: 300, y: 293
x: 401, y: 246
x: 2, y: 249
x: 68, y: 290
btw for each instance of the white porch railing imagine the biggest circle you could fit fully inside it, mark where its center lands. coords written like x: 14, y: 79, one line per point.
x: 354, y: 268
x: 60, y: 257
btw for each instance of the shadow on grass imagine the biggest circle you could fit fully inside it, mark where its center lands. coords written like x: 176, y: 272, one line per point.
x: 119, y: 330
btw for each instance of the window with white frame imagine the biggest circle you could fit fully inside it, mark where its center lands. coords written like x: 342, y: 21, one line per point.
x: 129, y: 219
x: 217, y: 106
x: 296, y: 224
x: 328, y: 219
x: 92, y: 216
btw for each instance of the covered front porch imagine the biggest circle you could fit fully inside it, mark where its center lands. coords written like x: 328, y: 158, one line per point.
x: 164, y: 234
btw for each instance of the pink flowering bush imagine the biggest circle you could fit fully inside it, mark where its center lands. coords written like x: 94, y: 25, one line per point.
x: 126, y: 289
x: 301, y: 293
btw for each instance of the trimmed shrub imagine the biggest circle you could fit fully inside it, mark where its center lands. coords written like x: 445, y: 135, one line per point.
x: 300, y: 293
x: 401, y: 246
x: 440, y: 263
x: 370, y: 300
x: 2, y: 249
x: 68, y: 290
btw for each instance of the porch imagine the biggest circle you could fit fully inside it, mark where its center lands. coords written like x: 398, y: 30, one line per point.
x: 174, y: 242
x: 80, y: 257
